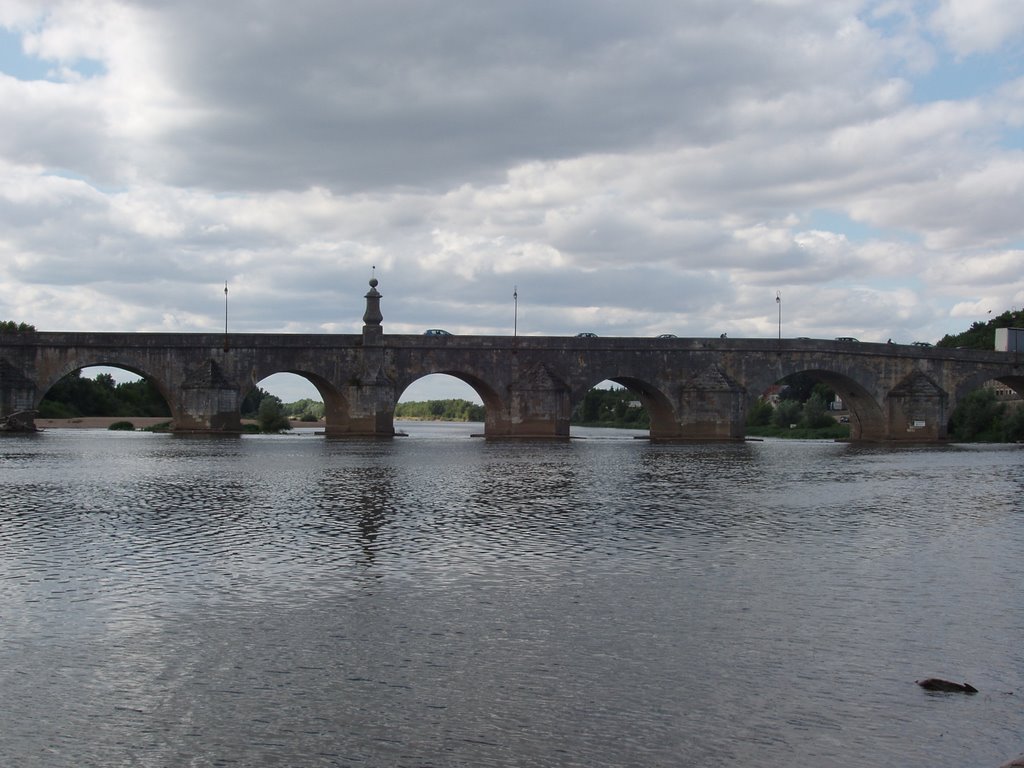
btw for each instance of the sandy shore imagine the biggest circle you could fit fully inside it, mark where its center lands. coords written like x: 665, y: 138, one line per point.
x: 103, y: 422
x: 98, y: 422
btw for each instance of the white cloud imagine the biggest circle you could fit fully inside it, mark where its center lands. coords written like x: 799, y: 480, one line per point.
x: 657, y: 167
x: 978, y: 26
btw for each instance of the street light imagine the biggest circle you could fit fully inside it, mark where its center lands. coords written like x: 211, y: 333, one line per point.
x: 515, y: 310
x: 778, y: 300
x: 225, y: 315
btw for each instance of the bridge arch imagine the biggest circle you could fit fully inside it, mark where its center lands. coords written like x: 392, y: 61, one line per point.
x: 74, y: 364
x: 336, y: 405
x: 976, y: 381
x: 868, y: 419
x: 102, y: 392
x: 495, y: 417
x: 663, y: 416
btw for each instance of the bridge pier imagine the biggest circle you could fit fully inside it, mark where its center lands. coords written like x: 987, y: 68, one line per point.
x: 539, y: 407
x: 917, y: 410
x: 17, y: 394
x: 206, y: 402
x: 711, y: 408
x: 370, y: 411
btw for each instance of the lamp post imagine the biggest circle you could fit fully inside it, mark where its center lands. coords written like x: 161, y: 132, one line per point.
x: 778, y: 300
x: 225, y: 315
x: 515, y: 310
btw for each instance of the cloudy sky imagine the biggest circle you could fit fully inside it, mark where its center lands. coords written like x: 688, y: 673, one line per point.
x: 629, y: 168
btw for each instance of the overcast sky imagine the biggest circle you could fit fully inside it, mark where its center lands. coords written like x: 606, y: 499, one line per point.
x: 629, y: 168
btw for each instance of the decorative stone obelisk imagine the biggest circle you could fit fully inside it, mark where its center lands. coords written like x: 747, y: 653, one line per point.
x: 373, y: 333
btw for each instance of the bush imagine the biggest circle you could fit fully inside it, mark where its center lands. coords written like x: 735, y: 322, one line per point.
x: 760, y: 414
x: 815, y: 415
x: 122, y: 426
x: 787, y: 412
x: 52, y: 409
x: 271, y: 416
x: 978, y: 418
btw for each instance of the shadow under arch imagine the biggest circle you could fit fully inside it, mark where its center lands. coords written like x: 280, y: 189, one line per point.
x: 105, y: 395
x: 663, y: 418
x: 868, y: 420
x: 494, y: 423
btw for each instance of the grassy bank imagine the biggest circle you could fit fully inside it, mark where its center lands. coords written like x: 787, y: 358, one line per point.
x: 833, y: 432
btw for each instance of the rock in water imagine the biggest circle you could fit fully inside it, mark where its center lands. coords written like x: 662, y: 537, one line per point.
x: 19, y: 421
x: 936, y: 684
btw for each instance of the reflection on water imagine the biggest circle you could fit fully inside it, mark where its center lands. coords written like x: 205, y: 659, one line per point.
x: 442, y: 600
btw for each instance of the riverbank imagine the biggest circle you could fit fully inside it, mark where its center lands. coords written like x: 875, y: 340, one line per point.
x: 140, y: 422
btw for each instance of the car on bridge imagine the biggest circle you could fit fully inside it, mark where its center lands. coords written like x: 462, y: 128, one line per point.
x: 436, y: 332
x: 586, y: 335
x: 921, y: 344
x: 667, y: 336
x: 846, y: 338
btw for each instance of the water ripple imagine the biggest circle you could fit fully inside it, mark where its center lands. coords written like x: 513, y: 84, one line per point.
x: 283, y: 601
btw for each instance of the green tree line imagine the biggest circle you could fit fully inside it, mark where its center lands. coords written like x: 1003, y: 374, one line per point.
x: 10, y: 326
x: 982, y: 418
x: 614, y: 407
x: 75, y: 396
x: 802, y: 412
x: 983, y: 335
x: 440, y: 410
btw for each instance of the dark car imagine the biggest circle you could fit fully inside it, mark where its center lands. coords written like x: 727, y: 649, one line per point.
x: 436, y: 332
x: 586, y: 335
x: 667, y: 336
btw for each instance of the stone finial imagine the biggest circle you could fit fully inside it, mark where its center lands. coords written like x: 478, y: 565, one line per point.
x: 372, y: 315
x: 373, y: 333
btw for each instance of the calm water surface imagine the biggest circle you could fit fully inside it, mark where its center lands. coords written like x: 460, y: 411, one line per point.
x: 438, y: 600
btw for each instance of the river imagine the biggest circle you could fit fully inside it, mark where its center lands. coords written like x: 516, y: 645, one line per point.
x: 438, y: 600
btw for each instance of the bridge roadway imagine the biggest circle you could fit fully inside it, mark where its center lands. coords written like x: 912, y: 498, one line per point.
x: 693, y: 388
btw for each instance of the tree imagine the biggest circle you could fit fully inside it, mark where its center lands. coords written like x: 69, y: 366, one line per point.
x: 10, y: 326
x: 251, y: 404
x: 787, y: 412
x: 979, y: 417
x: 815, y: 414
x: 454, y: 409
x: 983, y: 335
x: 271, y: 416
x: 75, y: 396
x: 1013, y: 425
x: 615, y: 407
x: 590, y: 408
x: 800, y: 387
x: 305, y: 410
x: 760, y: 414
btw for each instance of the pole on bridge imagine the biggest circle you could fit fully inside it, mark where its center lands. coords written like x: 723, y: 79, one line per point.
x: 515, y: 310
x: 225, y: 315
x: 778, y: 300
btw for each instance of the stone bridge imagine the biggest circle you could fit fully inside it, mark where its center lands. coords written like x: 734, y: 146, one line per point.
x: 693, y: 388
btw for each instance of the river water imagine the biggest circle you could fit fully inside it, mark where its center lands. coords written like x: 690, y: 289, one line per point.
x: 437, y: 600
